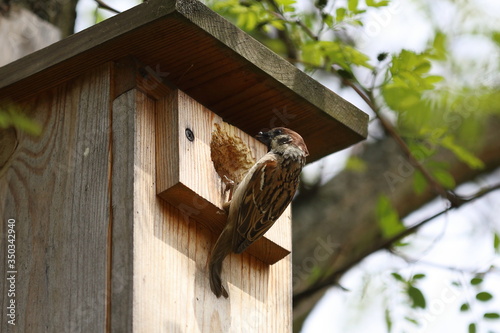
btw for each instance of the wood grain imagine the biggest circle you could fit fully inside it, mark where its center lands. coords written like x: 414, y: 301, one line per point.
x: 56, y: 188
x: 8, y: 144
x: 204, y: 55
x: 171, y: 291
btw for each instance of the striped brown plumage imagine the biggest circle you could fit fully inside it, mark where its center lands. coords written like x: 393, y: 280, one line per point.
x: 260, y: 199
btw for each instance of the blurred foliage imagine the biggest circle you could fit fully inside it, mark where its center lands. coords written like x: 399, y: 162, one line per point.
x: 388, y: 218
x: 481, y: 301
x: 12, y: 116
x: 356, y: 164
x: 418, y: 303
x: 433, y: 110
x: 412, y: 295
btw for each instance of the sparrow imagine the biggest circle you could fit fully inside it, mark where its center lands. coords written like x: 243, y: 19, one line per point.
x: 260, y: 198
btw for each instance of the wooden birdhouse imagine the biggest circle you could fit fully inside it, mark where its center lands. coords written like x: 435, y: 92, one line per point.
x: 116, y: 205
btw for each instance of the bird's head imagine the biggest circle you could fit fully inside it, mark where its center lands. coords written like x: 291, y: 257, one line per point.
x: 281, y: 138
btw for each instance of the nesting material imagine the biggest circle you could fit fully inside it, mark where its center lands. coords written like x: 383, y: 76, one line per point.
x: 231, y: 156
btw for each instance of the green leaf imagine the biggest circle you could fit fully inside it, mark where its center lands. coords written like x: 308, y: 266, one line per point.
x: 496, y: 242
x: 398, y: 277
x: 438, y: 50
x: 286, y: 5
x: 408, y: 101
x: 328, y: 19
x: 484, y: 296
x: 357, y: 22
x: 422, y: 149
x: 465, y: 307
x: 99, y: 16
x: 422, y: 68
x: 433, y: 79
x: 222, y: 5
x: 418, y: 276
x: 250, y: 14
x: 352, y: 5
x: 475, y: 281
x: 326, y: 53
x: 278, y: 24
x: 251, y: 21
x: 410, y: 78
x: 373, y: 3
x: 400, y: 98
x: 354, y: 163
x: 241, y: 20
x: 496, y: 37
x: 444, y: 178
x: 492, y: 315
x: 472, y: 328
x: 340, y: 14
x: 388, y: 218
x: 388, y: 320
x: 419, y: 182
x: 461, y: 153
x: 413, y: 321
x: 417, y: 297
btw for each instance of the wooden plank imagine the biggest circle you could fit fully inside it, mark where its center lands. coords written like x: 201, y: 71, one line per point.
x: 56, y: 188
x: 8, y: 142
x: 171, y: 290
x: 211, y: 60
x: 122, y: 241
x: 187, y: 178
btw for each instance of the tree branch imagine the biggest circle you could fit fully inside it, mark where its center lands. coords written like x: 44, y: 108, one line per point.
x: 332, y: 279
x: 284, y: 35
x: 469, y: 270
x: 306, y: 30
x: 101, y: 4
x: 367, y: 96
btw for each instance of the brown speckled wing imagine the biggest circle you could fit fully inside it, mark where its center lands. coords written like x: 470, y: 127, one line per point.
x: 269, y: 192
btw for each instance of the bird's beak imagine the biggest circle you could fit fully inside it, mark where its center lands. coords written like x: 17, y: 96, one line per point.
x: 264, y: 137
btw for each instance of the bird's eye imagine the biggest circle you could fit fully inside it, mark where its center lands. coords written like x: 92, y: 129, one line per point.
x: 278, y: 132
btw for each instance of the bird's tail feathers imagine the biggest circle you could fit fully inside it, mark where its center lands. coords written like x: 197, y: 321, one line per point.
x: 221, y: 249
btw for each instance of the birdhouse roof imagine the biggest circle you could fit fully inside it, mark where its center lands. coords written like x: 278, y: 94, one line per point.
x: 207, y: 57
